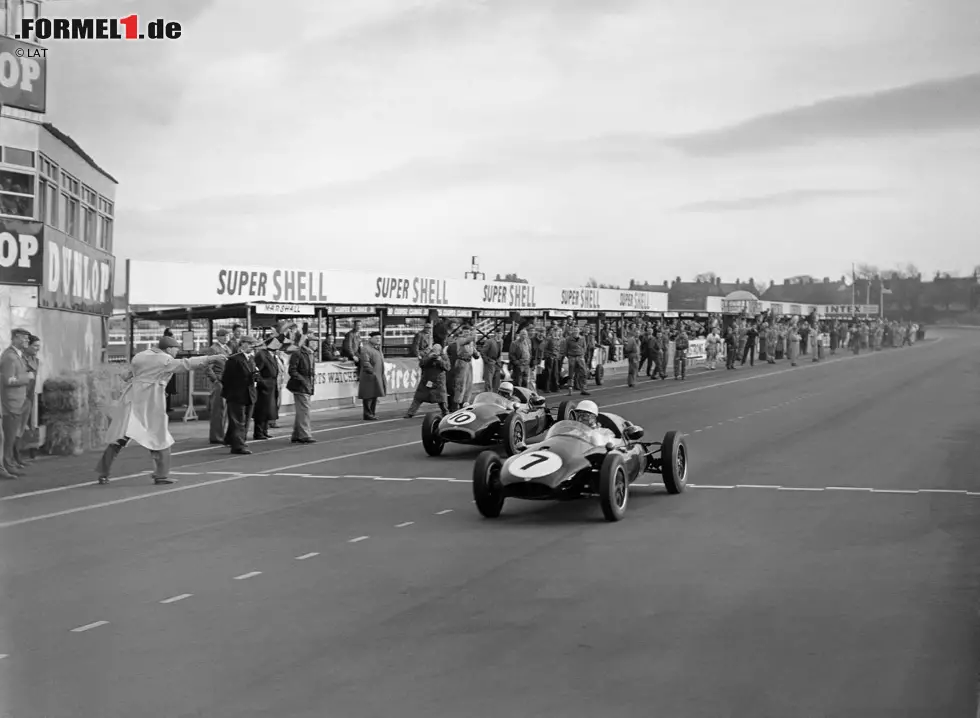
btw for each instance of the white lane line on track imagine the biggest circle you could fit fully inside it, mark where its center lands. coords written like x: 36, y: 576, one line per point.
x: 185, y: 473
x: 847, y: 488
x: 174, y: 599
x: 973, y: 493
x: 385, y: 478
x: 756, y: 486
x: 942, y: 491
x: 404, y: 524
x: 697, y: 431
x: 3, y: 655
x: 433, y: 478
x: 250, y: 574
x: 800, y: 488
x: 358, y: 476
x: 304, y: 476
x: 893, y: 491
x: 709, y: 486
x: 443, y: 512
x: 307, y: 555
x: 89, y: 626
x: 359, y: 539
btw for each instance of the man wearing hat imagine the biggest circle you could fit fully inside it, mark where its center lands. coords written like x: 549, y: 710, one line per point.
x: 422, y: 341
x: 141, y: 415
x: 213, y: 372
x: 240, y: 394
x: 371, y: 376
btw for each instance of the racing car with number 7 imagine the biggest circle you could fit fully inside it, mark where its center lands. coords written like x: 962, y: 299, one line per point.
x: 588, y: 454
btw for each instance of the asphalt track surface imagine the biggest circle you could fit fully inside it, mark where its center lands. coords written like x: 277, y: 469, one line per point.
x: 823, y: 564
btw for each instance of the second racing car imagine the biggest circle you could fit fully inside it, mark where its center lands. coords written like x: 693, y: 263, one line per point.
x: 508, y: 417
x: 587, y: 454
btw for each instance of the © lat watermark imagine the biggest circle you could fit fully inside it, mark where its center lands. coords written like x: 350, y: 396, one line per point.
x: 98, y: 28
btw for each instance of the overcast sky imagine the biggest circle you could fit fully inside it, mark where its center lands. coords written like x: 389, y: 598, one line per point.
x: 560, y: 139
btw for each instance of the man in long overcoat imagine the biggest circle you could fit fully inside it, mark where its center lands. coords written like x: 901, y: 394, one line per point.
x: 461, y: 354
x: 141, y: 415
x: 267, y: 392
x: 372, y: 384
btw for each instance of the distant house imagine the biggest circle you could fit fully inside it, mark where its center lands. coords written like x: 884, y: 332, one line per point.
x: 692, y: 296
x: 807, y: 290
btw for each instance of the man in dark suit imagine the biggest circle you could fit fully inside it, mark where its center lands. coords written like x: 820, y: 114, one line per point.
x: 15, y: 377
x: 238, y: 390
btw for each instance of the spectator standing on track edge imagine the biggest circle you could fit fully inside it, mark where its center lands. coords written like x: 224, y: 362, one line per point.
x: 141, y: 413
x: 301, y: 384
x: 372, y: 384
x: 239, y: 392
x: 16, y: 378
x: 574, y: 349
x: 213, y: 371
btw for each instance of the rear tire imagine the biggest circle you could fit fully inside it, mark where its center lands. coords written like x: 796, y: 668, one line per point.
x: 614, y: 487
x: 488, y: 492
x: 600, y: 372
x: 513, y: 433
x: 430, y: 436
x: 565, y: 409
x: 674, y: 462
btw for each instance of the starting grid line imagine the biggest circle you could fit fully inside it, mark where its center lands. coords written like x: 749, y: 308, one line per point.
x: 770, y: 487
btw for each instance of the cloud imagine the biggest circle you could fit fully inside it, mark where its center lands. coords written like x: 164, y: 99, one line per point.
x: 778, y: 200
x: 923, y: 108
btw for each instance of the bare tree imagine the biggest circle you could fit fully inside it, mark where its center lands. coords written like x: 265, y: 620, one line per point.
x: 706, y: 277
x: 866, y: 271
x: 592, y: 282
x: 511, y: 277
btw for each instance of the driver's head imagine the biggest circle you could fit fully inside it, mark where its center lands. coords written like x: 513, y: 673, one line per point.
x: 587, y: 413
x: 506, y: 389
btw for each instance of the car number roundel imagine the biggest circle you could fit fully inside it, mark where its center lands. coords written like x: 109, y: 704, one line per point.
x: 461, y: 418
x: 535, y: 464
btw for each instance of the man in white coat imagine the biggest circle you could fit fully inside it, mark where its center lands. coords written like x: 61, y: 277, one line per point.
x: 142, y: 412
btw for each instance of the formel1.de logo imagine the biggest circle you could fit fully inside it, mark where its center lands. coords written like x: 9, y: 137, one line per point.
x: 98, y: 28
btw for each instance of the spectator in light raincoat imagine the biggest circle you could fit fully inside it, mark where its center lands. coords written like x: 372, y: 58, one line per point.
x: 712, y: 345
x: 372, y: 382
x: 141, y: 414
x: 461, y: 354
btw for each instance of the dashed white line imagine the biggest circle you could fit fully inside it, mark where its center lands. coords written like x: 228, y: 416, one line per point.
x: 359, y: 539
x: 433, y: 478
x: 444, y: 511
x: 847, y: 488
x: 387, y: 478
x: 459, y: 481
x: 3, y: 655
x: 307, y: 555
x: 942, y: 491
x: 355, y: 476
x: 893, y: 491
x: 304, y: 476
x: 739, y: 418
x: 698, y: 431
x: 800, y: 488
x: 709, y: 486
x: 185, y: 473
x: 250, y: 574
x: 89, y: 626
x: 404, y: 524
x: 174, y: 599
x: 756, y: 486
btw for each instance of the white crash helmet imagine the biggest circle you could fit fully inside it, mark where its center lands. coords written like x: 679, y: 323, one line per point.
x: 506, y: 389
x: 587, y: 408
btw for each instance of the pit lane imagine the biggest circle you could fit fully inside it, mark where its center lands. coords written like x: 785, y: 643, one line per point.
x: 742, y: 601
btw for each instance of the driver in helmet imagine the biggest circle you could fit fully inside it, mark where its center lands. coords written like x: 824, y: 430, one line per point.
x: 506, y: 390
x: 587, y: 412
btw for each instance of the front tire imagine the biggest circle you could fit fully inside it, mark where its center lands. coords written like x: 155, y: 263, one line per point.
x: 430, y: 434
x: 674, y: 462
x: 513, y: 434
x: 488, y: 492
x: 614, y: 487
x: 565, y: 409
x: 600, y: 372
